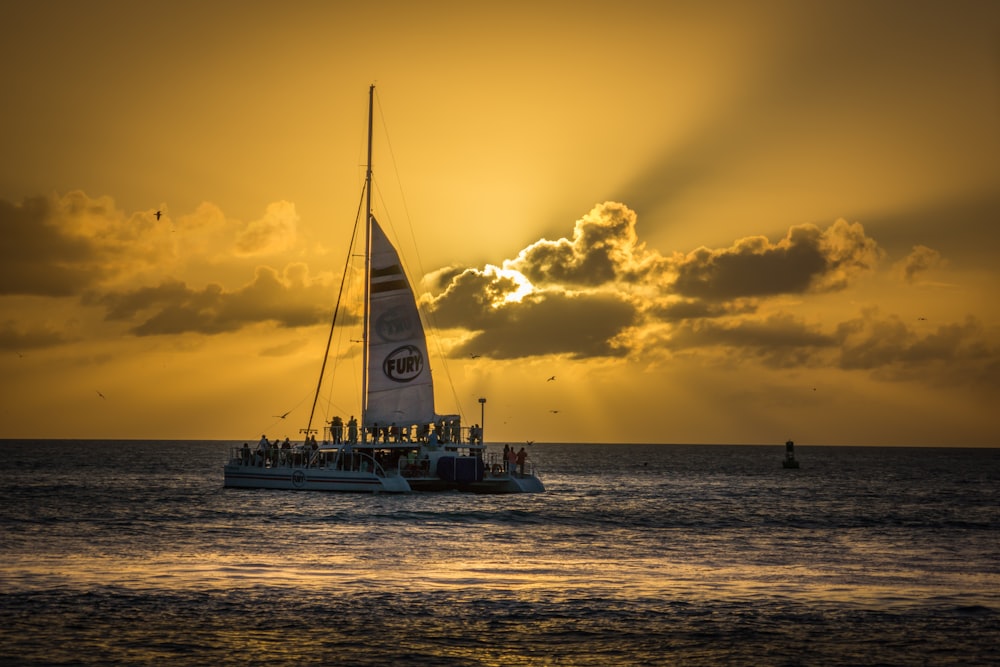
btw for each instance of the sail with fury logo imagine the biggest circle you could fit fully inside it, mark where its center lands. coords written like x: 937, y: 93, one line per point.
x: 403, y: 364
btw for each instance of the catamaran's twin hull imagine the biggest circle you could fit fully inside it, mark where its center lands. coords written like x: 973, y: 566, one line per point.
x: 497, y: 485
x: 354, y: 481
x: 307, y: 479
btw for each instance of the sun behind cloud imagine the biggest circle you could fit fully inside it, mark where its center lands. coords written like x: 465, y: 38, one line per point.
x: 596, y: 303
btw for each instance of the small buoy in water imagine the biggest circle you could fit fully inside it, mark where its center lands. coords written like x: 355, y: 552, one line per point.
x: 790, y: 461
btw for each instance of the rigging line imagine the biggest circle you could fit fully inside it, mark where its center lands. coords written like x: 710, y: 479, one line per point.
x: 336, y: 310
x: 340, y: 352
x: 361, y: 161
x: 402, y: 194
x: 428, y: 316
x: 338, y: 356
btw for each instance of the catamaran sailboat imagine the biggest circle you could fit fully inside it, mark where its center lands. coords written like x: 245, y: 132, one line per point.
x: 401, y: 443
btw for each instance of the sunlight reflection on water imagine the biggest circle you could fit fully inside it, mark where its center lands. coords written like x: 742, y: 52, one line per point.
x: 606, y: 578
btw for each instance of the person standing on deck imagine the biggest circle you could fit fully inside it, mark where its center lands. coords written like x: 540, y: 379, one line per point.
x: 352, y: 430
x: 521, y: 457
x: 262, y: 448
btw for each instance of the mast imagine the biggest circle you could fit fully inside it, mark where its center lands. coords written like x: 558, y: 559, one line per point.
x: 368, y: 267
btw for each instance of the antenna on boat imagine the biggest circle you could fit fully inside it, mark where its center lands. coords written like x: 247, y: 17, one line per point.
x: 368, y: 266
x: 482, y: 416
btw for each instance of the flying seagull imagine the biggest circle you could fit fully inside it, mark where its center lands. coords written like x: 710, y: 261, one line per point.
x: 158, y: 214
x: 551, y: 378
x: 474, y: 355
x: 555, y: 412
x: 281, y: 416
x: 100, y: 394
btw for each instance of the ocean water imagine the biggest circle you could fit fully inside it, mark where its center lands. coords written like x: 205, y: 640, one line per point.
x: 133, y: 553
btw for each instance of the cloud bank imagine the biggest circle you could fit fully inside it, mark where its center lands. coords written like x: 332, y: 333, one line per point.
x: 603, y: 282
x: 132, y: 266
x: 598, y: 293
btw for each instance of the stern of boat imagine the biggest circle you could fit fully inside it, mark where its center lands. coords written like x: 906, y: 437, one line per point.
x: 395, y: 484
x: 527, y: 484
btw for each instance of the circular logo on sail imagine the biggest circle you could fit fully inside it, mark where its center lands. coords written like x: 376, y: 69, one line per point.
x: 395, y: 324
x: 403, y: 364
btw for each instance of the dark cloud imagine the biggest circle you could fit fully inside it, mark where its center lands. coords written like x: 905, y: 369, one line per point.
x: 42, y: 257
x: 581, y: 294
x: 578, y: 325
x: 920, y: 260
x: 778, y: 341
x: 172, y: 307
x: 957, y: 355
x: 438, y: 281
x: 605, y: 251
x: 581, y: 297
x: 807, y: 259
x: 18, y: 337
x: 953, y: 354
x: 72, y: 244
x: 556, y: 297
x: 870, y: 341
x: 604, y: 248
x: 75, y: 245
x: 471, y: 297
x: 689, y: 309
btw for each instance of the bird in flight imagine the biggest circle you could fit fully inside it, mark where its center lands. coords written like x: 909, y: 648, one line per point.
x: 551, y: 378
x: 555, y: 412
x: 474, y: 355
x: 281, y: 416
x: 158, y: 214
x: 100, y: 394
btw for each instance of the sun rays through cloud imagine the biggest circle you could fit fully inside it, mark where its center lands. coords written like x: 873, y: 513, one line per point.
x: 707, y: 225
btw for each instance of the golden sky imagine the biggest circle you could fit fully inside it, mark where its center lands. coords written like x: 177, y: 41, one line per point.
x: 711, y: 222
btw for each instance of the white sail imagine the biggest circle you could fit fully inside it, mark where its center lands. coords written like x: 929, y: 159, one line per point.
x: 400, y: 389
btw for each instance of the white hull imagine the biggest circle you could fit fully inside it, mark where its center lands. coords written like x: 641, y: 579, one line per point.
x: 467, y: 467
x: 311, y: 479
x: 498, y: 484
x: 399, y: 468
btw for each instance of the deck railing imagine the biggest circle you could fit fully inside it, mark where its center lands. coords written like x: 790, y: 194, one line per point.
x: 297, y: 457
x: 400, y: 463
